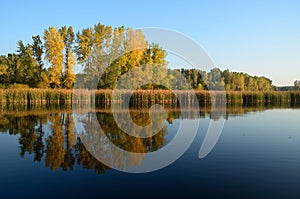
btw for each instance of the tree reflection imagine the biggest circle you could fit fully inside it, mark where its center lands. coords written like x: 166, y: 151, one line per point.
x: 86, y: 160
x: 69, y: 159
x: 127, y: 142
x: 100, y: 129
x: 55, y: 150
x: 51, y: 138
x: 38, y: 146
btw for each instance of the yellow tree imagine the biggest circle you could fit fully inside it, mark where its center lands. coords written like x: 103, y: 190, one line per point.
x: 101, y: 35
x: 252, y: 84
x: 68, y: 77
x: 135, y: 47
x: 54, y: 46
x: 44, y: 80
x: 84, y: 43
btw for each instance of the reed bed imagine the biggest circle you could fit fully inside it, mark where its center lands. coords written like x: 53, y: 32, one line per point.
x: 146, y: 98
x: 35, y: 96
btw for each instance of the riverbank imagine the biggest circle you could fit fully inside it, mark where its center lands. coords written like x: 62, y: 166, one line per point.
x: 145, y: 98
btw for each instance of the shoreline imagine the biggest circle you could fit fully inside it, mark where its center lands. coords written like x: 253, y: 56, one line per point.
x: 145, y: 98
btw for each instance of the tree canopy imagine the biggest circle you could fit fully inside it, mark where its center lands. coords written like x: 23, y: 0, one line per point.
x: 106, y: 54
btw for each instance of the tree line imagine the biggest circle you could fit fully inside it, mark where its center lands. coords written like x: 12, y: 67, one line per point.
x: 48, y: 62
x: 296, y: 87
x: 231, y: 81
x: 105, y: 54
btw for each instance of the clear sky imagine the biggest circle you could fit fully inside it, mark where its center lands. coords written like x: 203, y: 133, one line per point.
x: 257, y: 37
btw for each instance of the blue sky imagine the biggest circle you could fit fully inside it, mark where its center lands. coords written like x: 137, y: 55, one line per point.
x: 257, y: 37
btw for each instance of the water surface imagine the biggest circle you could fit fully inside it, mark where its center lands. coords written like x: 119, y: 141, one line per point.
x: 256, y: 156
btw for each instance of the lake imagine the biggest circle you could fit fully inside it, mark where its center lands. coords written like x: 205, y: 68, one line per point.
x: 256, y: 156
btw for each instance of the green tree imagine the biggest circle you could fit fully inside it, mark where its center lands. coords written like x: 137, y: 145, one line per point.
x: 37, y: 51
x: 14, y: 71
x: 3, y: 65
x: 297, y: 85
x: 214, y: 80
x: 4, y: 79
x: 29, y: 68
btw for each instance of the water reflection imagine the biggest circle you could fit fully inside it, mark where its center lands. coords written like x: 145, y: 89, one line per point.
x: 48, y: 133
x: 49, y: 137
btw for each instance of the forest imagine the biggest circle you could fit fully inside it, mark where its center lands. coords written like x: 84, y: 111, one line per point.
x: 49, y: 61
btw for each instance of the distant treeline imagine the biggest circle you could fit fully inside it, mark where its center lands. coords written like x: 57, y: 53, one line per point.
x: 231, y: 81
x: 214, y: 79
x: 48, y: 62
x: 296, y: 87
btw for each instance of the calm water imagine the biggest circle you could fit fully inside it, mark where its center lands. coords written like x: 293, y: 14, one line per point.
x: 256, y: 156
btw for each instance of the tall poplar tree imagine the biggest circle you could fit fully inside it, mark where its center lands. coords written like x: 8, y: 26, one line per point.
x: 68, y: 77
x: 54, y: 46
